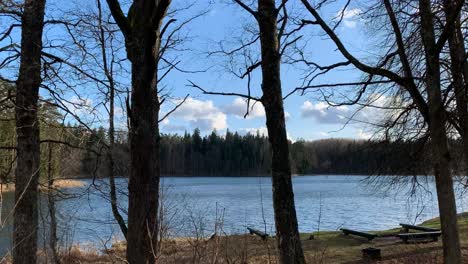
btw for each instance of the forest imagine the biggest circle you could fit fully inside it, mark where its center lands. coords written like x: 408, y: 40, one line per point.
x: 231, y: 154
x: 249, y: 155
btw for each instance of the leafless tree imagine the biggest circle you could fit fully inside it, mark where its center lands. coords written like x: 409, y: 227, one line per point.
x: 51, y: 206
x: 141, y: 29
x: 27, y: 129
x: 104, y: 59
x: 459, y: 76
x: 421, y: 80
x: 273, y: 38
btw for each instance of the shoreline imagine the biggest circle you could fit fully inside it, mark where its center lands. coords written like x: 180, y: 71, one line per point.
x: 332, y: 246
x: 58, y: 183
x: 254, y: 176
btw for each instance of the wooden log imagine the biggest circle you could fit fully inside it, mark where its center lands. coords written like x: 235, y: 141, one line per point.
x: 407, y: 236
x: 407, y: 227
x: 261, y: 234
x: 358, y: 233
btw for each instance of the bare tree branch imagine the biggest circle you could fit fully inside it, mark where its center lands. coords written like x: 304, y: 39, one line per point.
x: 192, y: 84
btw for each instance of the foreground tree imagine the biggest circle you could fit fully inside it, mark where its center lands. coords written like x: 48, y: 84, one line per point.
x: 459, y: 76
x: 425, y: 92
x: 141, y: 29
x: 287, y: 237
x: 273, y: 41
x: 27, y: 128
x: 437, y: 120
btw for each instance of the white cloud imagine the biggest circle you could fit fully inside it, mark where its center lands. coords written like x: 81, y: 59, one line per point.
x: 350, y: 23
x: 323, y: 113
x: 350, y: 17
x: 324, y: 134
x: 201, y: 114
x: 380, y: 109
x: 165, y: 121
x: 238, y: 108
x: 79, y: 106
x: 363, y: 134
x: 120, y: 116
x: 350, y: 13
x: 263, y: 131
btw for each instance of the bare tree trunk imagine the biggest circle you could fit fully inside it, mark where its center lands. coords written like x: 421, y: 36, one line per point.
x: 287, y: 234
x: 464, y: 90
x: 438, y: 133
x: 433, y: 110
x: 144, y: 180
x: 51, y: 206
x: 27, y: 128
x: 141, y: 30
x: 458, y: 63
x: 110, y: 150
x: 110, y: 157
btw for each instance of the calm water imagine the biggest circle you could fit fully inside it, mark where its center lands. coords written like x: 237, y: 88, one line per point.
x: 192, y: 206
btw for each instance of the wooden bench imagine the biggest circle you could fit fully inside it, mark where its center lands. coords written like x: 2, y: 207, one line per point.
x: 423, y: 235
x: 358, y: 233
x: 420, y: 228
x: 261, y: 234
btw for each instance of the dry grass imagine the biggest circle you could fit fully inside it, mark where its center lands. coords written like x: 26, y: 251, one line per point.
x: 68, y: 183
x: 58, y: 183
x: 326, y: 247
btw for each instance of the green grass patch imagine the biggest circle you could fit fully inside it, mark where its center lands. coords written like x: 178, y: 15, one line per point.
x: 337, y: 239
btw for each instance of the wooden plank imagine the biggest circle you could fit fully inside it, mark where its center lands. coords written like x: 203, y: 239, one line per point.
x: 261, y: 234
x: 358, y: 233
x: 407, y: 227
x: 407, y: 236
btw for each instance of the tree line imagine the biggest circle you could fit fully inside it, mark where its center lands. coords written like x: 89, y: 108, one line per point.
x: 234, y: 154
x: 231, y: 154
x: 81, y: 153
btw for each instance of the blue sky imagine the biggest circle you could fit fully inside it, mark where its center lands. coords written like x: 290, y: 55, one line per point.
x: 308, y: 116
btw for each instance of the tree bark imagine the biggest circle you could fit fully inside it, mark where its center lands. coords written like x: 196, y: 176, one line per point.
x: 143, y: 184
x: 27, y: 128
x: 460, y: 80
x: 144, y: 180
x: 438, y: 133
x: 287, y: 233
x: 141, y: 31
x: 51, y: 207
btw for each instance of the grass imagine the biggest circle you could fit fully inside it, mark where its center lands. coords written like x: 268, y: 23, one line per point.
x: 347, y: 249
x: 325, y: 247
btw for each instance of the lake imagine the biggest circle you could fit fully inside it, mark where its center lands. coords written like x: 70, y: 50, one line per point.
x: 192, y: 205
